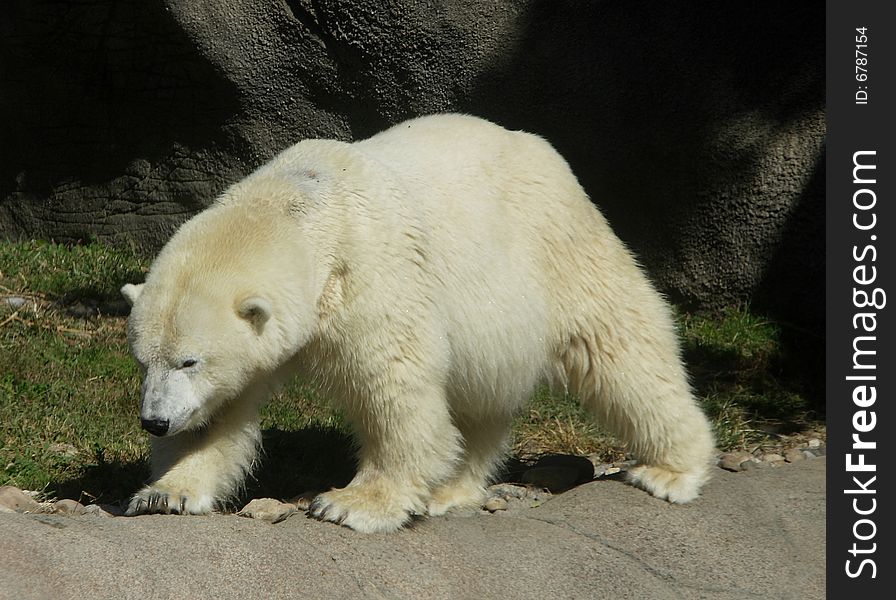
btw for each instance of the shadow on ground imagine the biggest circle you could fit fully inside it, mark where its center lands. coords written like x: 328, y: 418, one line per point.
x: 291, y: 463
x: 312, y: 459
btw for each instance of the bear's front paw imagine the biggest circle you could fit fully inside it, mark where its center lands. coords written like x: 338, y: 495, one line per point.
x: 153, y: 500
x: 368, y: 507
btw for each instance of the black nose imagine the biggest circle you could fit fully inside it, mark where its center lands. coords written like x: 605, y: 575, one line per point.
x: 155, y: 426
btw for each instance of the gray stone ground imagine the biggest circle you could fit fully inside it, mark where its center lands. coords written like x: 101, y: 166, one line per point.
x: 754, y: 534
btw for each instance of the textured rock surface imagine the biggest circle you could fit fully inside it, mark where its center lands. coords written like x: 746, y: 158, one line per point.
x: 758, y: 534
x: 699, y: 132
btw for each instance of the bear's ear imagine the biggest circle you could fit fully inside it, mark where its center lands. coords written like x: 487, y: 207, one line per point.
x: 256, y: 310
x: 131, y: 292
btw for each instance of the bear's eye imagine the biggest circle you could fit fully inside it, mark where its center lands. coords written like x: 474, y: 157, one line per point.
x: 190, y: 362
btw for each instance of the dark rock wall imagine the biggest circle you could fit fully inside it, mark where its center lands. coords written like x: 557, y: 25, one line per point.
x: 697, y: 127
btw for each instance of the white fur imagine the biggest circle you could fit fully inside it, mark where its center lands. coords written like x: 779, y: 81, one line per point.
x: 427, y: 278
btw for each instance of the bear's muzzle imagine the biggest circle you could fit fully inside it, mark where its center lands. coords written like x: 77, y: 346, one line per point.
x: 157, y: 427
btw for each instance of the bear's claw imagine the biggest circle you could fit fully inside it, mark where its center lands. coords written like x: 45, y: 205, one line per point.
x: 321, y: 510
x: 152, y: 501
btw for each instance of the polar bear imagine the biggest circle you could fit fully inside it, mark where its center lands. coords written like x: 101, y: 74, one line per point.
x: 427, y: 279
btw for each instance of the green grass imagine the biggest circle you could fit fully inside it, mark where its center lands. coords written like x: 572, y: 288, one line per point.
x: 741, y: 371
x: 92, y: 272
x: 69, y: 391
x: 66, y: 382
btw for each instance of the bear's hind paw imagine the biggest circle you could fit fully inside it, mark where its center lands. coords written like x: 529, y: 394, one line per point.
x: 457, y: 495
x: 677, y: 487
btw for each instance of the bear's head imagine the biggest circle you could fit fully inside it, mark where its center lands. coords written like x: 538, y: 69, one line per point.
x: 196, y: 353
x: 231, y: 298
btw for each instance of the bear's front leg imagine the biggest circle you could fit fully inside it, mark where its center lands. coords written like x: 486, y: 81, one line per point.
x: 407, y: 446
x: 195, y: 471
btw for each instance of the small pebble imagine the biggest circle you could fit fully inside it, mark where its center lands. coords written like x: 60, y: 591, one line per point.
x: 268, y: 509
x: 67, y: 506
x: 809, y: 454
x: 600, y: 469
x: 794, y: 455
x: 15, y: 500
x: 97, y: 511
x: 14, y: 302
x: 814, y: 443
x: 507, y: 490
x: 539, y: 496
x: 731, y: 461
x: 772, y: 457
x: 495, y: 504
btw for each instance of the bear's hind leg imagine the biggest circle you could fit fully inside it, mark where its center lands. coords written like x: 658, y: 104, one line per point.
x: 407, y: 446
x: 637, y: 388
x: 193, y: 472
x: 485, y: 445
